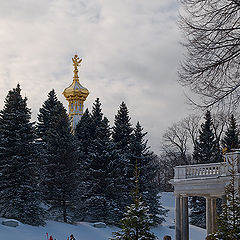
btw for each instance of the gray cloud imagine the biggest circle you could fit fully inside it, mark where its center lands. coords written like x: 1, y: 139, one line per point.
x: 130, y: 53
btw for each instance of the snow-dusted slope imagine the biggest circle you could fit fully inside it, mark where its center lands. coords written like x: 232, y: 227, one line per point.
x: 85, y: 231
x: 168, y: 201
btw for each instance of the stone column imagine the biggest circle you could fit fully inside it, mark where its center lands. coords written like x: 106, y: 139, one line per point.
x: 177, y: 218
x: 185, y: 221
x: 213, y: 214
x: 208, y: 216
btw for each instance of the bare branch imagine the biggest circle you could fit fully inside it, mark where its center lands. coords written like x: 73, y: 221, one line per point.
x: 212, y: 42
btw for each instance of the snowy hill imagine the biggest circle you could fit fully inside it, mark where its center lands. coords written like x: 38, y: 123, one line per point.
x: 168, y: 201
x: 86, y: 231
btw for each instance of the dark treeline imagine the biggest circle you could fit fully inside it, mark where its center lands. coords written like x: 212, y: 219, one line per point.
x: 46, y: 172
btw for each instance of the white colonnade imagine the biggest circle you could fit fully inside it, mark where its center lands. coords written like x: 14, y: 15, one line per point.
x: 203, y: 180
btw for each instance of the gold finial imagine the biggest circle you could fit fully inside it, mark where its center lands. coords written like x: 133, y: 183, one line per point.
x: 224, y: 150
x: 76, y: 62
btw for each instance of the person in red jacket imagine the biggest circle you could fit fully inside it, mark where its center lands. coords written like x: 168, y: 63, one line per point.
x: 51, y: 238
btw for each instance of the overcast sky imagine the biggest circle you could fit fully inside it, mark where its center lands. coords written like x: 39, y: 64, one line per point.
x: 130, y: 51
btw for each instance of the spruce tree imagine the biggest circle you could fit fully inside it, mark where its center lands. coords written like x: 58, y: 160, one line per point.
x: 60, y: 153
x: 97, y: 179
x: 230, y: 140
x: 206, y: 150
x: 84, y: 132
x: 136, y: 223
x: 99, y: 205
x: 84, y: 136
x: 148, y: 168
x: 20, y: 197
x: 97, y: 117
x: 122, y: 129
x: 47, y: 115
x: 122, y: 137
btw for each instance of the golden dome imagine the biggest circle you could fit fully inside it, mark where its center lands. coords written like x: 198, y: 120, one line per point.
x: 76, y: 90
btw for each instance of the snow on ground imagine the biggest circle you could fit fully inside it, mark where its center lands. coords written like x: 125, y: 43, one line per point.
x: 168, y: 201
x: 86, y: 231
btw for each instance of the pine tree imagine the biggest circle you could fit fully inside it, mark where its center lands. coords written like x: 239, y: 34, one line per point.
x: 20, y: 197
x: 97, y: 117
x: 84, y: 135
x: 230, y: 139
x: 84, y: 132
x: 148, y: 168
x: 122, y: 129
x: 122, y: 137
x: 97, y: 179
x: 99, y: 204
x: 60, y: 154
x: 136, y: 223
x: 229, y: 220
x: 48, y: 113
x: 206, y: 150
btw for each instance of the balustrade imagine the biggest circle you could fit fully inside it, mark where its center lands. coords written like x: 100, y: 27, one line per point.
x: 201, y: 170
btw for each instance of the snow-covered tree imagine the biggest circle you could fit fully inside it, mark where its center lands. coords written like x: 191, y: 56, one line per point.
x: 60, y: 152
x: 97, y: 186
x: 84, y: 132
x: 122, y: 129
x: 122, y: 137
x: 206, y: 150
x: 20, y: 197
x: 99, y: 204
x: 47, y: 114
x: 148, y: 167
x: 84, y: 136
x: 136, y: 223
x: 107, y: 166
x: 230, y: 140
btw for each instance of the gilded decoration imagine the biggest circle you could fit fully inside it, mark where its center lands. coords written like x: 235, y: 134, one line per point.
x: 75, y: 94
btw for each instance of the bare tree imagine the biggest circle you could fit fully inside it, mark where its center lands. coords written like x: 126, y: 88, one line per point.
x: 166, y: 172
x: 220, y: 121
x: 175, y: 142
x: 176, y: 149
x: 211, y: 66
x: 191, y: 124
x: 179, y: 139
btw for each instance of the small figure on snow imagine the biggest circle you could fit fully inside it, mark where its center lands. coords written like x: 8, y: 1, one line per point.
x: 71, y: 237
x: 167, y: 238
x: 50, y: 238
